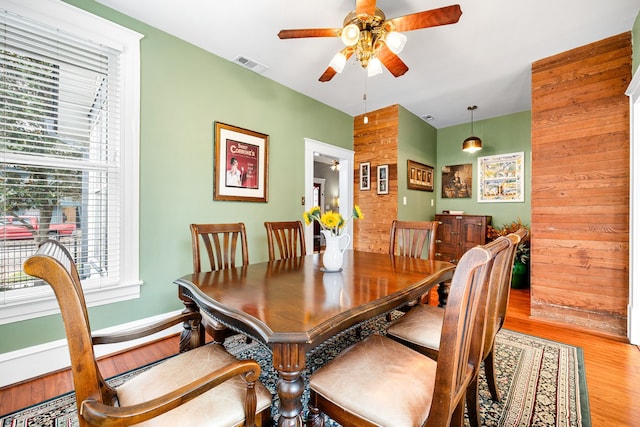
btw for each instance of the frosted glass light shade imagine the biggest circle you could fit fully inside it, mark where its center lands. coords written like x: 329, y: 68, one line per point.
x: 396, y: 41
x: 374, y: 68
x: 337, y: 62
x: 350, y: 35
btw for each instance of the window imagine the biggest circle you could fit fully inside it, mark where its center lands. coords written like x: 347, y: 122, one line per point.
x: 68, y: 152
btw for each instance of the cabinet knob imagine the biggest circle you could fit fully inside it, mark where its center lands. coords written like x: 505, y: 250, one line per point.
x: 479, y: 224
x: 438, y: 254
x: 438, y: 241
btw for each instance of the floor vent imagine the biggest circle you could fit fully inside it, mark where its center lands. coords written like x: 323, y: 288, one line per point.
x: 251, y: 64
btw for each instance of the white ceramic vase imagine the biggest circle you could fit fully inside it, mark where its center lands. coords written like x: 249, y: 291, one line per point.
x: 332, y: 257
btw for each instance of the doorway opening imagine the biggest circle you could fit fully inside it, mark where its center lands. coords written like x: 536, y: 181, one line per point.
x: 343, y: 200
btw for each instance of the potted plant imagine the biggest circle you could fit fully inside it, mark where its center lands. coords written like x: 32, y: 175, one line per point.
x: 520, y: 272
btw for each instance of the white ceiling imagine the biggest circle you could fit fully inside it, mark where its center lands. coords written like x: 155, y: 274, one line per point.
x: 483, y: 60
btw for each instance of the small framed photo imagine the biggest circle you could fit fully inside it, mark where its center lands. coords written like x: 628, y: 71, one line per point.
x: 240, y: 164
x: 383, y: 179
x: 419, y: 176
x: 365, y: 176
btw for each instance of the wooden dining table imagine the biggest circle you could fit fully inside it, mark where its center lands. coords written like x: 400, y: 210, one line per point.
x: 292, y: 305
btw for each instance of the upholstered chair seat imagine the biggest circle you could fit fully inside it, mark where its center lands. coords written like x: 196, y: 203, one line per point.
x: 420, y: 327
x: 225, y: 400
x: 379, y: 388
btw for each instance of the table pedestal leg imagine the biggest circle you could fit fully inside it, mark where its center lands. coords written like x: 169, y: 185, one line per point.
x: 192, y: 335
x: 443, y: 293
x: 289, y: 361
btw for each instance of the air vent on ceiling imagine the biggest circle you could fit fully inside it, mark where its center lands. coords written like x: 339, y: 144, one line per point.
x: 427, y: 117
x: 251, y: 64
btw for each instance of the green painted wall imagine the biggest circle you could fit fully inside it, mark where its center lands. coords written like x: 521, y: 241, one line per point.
x: 500, y: 135
x: 417, y: 141
x: 635, y: 43
x: 183, y: 91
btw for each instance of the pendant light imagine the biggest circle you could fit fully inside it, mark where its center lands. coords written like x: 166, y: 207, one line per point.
x: 473, y: 143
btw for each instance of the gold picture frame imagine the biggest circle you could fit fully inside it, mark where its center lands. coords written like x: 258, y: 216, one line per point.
x: 240, y: 164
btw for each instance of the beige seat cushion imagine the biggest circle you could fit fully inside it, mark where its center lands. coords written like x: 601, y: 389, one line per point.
x: 422, y: 325
x: 372, y: 379
x: 220, y: 406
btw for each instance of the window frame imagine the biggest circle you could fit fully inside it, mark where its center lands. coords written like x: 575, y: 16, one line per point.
x: 29, y: 303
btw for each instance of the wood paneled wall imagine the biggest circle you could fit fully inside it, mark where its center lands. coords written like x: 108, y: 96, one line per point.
x: 376, y: 142
x: 580, y: 186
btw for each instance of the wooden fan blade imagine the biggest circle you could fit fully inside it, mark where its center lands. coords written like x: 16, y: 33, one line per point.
x: 367, y: 7
x: 427, y: 18
x: 393, y: 63
x: 309, y: 32
x: 328, y: 74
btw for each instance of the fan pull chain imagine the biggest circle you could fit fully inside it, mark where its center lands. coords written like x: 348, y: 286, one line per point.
x: 364, y: 98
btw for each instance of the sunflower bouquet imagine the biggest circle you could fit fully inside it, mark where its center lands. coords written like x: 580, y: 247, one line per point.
x: 331, y: 221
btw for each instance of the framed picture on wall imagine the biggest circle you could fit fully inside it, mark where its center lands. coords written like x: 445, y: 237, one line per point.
x: 501, y: 178
x: 240, y: 164
x: 457, y: 181
x: 419, y: 176
x: 365, y: 176
x: 383, y: 179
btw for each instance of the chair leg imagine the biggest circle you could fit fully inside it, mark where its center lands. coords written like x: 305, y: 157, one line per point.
x: 314, y: 418
x: 457, y: 418
x: 489, y: 371
x: 473, y: 409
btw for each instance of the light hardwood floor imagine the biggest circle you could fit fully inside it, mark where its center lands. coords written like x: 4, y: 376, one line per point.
x: 612, y: 368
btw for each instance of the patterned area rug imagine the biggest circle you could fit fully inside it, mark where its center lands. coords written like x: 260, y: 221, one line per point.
x: 542, y: 382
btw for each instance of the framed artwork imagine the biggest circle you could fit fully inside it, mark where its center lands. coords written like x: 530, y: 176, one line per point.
x: 501, y: 178
x: 419, y: 176
x: 457, y: 181
x: 240, y: 164
x: 365, y: 176
x: 383, y: 179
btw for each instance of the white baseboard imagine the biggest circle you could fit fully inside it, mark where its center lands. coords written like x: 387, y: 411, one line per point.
x: 30, y: 362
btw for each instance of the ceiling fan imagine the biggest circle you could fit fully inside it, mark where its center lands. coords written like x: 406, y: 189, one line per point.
x: 375, y: 40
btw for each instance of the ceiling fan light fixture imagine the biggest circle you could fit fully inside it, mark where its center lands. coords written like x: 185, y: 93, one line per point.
x: 338, y: 62
x: 350, y: 35
x: 396, y: 41
x: 473, y: 143
x: 374, y: 67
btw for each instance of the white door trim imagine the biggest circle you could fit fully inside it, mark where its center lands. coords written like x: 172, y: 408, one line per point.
x: 633, y: 310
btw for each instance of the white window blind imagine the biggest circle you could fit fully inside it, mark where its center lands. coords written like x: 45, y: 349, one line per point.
x: 63, y: 155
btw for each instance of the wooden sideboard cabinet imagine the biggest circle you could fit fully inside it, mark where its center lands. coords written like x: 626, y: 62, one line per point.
x: 459, y: 233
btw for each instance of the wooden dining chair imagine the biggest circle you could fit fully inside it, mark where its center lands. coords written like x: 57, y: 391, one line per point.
x: 197, y: 387
x: 287, y: 237
x: 410, y: 238
x: 421, y: 328
x: 380, y: 382
x: 415, y: 239
x: 217, y: 247
x: 225, y: 245
x: 496, y: 315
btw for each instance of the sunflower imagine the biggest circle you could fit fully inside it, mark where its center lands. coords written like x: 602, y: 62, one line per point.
x: 331, y: 221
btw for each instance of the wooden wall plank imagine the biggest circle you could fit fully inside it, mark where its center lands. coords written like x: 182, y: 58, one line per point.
x: 376, y: 142
x: 580, y: 186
